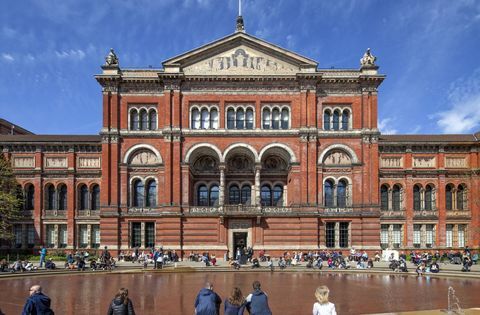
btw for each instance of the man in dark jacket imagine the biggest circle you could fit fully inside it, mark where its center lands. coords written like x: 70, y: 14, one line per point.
x: 207, y: 301
x: 38, y: 303
x: 257, y: 301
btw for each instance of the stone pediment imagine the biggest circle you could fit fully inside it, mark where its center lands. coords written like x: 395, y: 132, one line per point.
x: 240, y: 54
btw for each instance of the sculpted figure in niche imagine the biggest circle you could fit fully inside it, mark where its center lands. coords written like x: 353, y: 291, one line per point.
x: 239, y: 163
x: 205, y: 163
x: 337, y: 158
x: 144, y: 158
x: 274, y: 163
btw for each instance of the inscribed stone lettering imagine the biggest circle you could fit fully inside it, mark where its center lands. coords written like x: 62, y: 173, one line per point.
x: 24, y: 162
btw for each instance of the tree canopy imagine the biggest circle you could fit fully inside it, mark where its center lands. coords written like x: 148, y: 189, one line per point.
x: 10, y: 198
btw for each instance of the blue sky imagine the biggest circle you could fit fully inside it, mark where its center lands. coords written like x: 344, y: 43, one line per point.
x: 430, y: 51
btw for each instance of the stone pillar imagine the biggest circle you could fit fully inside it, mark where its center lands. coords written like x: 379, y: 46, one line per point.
x: 390, y: 236
x: 89, y: 235
x: 142, y: 234
x: 337, y: 234
x: 257, y: 184
x: 221, y: 193
x: 55, y: 241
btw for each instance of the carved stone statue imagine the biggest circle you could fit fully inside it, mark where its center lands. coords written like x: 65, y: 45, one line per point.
x: 368, y: 60
x: 111, y: 59
x: 240, y: 26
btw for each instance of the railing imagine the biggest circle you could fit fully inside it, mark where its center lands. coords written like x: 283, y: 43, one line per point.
x: 88, y: 213
x: 55, y: 213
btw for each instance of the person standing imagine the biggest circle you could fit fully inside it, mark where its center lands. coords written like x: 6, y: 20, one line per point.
x: 207, y: 301
x: 43, y: 254
x: 121, y: 304
x: 37, y: 302
x: 235, y: 304
x: 323, y: 306
x: 257, y: 301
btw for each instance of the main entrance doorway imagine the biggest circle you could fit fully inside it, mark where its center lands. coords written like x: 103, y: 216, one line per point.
x: 240, y: 246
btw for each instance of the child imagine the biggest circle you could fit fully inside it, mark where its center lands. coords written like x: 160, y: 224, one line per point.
x: 323, y: 306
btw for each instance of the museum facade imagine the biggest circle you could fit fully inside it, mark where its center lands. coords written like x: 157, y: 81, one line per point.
x: 243, y: 143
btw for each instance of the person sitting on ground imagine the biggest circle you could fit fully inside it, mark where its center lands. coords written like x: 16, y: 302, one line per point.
x: 377, y: 257
x: 403, y: 265
x: 467, y: 263
x: 323, y: 306
x: 17, y: 266
x: 235, y: 264
x: 319, y: 263
x: 121, y: 304
x: 207, y: 301
x: 420, y: 269
x: 330, y: 263
x: 29, y: 266
x: 213, y: 260
x: 309, y: 264
x: 255, y: 263
x: 3, y: 265
x: 270, y: 265
x: 370, y: 264
x: 257, y: 301
x: 50, y: 265
x: 282, y: 263
x: 235, y: 303
x: 37, y: 302
x: 434, y: 267
x: 93, y: 264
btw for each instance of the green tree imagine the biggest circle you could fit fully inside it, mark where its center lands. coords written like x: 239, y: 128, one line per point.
x: 10, y: 199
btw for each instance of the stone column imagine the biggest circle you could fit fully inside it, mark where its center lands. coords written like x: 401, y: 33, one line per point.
x: 390, y: 236
x: 221, y: 193
x: 142, y: 234
x: 337, y: 234
x: 257, y: 184
x: 56, y: 240
x: 89, y: 235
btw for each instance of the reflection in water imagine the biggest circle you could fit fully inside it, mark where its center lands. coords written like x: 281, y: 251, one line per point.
x: 289, y: 293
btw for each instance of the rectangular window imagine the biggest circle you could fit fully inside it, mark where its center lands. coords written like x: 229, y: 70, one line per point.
x: 17, y: 231
x: 449, y: 236
x: 397, y: 235
x: 30, y: 235
x: 149, y: 234
x: 384, y: 236
x: 461, y: 235
x: 417, y: 235
x: 136, y: 237
x: 430, y: 235
x: 95, y: 236
x: 62, y: 235
x: 82, y: 236
x: 330, y: 234
x: 343, y: 234
x: 50, y: 236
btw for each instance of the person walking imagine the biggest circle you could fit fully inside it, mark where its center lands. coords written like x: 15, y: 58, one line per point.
x: 235, y: 304
x: 323, y: 306
x: 207, y: 301
x: 37, y: 303
x: 43, y: 254
x: 257, y: 301
x: 121, y: 304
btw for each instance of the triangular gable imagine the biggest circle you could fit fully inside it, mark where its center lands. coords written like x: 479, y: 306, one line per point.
x: 239, y: 54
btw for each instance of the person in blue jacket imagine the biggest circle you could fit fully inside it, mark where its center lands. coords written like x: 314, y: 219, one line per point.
x: 43, y: 254
x: 207, y: 301
x: 257, y: 301
x: 37, y: 303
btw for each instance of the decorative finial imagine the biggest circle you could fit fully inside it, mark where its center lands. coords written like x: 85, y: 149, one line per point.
x: 111, y: 60
x: 368, y: 60
x: 240, y: 26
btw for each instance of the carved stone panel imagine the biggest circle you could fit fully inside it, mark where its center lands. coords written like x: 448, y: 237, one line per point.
x: 205, y: 164
x: 424, y: 161
x: 455, y: 162
x: 239, y: 224
x: 144, y: 157
x: 337, y: 157
x: 24, y: 162
x: 88, y: 162
x: 56, y: 162
x: 240, y: 163
x: 274, y: 163
x: 391, y: 162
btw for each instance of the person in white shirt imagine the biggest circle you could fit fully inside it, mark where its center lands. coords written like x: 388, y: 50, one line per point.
x: 323, y: 306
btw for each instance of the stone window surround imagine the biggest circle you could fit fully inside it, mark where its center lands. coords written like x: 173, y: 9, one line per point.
x: 144, y: 180
x: 200, y: 107
x: 422, y: 197
x: 280, y: 107
x: 245, y: 107
x: 340, y: 108
x: 138, y: 108
x: 90, y: 195
x: 454, y: 196
x: 390, y: 196
x: 335, y: 183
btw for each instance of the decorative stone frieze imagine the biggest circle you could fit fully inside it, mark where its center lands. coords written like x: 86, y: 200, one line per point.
x: 23, y: 162
x: 455, y: 162
x: 391, y: 162
x: 55, y: 162
x: 424, y: 161
x: 88, y: 162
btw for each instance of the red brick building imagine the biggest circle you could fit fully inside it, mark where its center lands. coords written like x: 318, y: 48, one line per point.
x: 243, y: 143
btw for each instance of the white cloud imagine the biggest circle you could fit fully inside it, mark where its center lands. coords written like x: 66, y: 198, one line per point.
x: 385, y: 126
x: 7, y: 57
x: 77, y: 54
x: 463, y: 114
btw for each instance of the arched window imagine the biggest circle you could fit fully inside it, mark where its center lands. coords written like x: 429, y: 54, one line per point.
x: 342, y: 194
x: 384, y: 197
x: 214, y: 119
x: 51, y: 198
x: 326, y: 119
x: 328, y: 193
x: 202, y: 195
x: 152, y: 120
x: 234, y: 195
x: 133, y: 119
x: 151, y: 198
x: 460, y: 197
x: 266, y: 195
x: 336, y: 120
x: 396, y: 197
x: 29, y: 197
x: 275, y: 119
x: 62, y: 197
x: 205, y: 119
x: 345, y: 118
x: 249, y: 123
x: 277, y: 195
x: 246, y: 194
x: 266, y: 118
x: 83, y: 195
x: 195, y: 119
x: 449, y: 197
x: 285, y: 118
x: 240, y: 118
x: 231, y: 119
x: 416, y: 198
x: 428, y: 197
x: 95, y: 197
x: 213, y: 198
x: 138, y: 193
x: 143, y: 120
